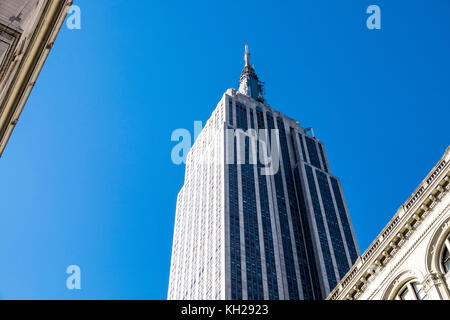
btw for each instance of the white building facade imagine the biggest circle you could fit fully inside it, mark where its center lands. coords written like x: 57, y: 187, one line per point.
x: 243, y: 234
x: 410, y: 259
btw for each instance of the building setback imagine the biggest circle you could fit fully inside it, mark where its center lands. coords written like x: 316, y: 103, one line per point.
x: 243, y: 232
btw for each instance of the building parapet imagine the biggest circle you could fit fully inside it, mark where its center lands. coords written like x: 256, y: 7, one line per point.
x: 393, y: 236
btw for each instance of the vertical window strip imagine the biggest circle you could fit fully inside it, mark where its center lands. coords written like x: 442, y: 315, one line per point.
x: 295, y: 215
x: 272, y: 282
x: 333, y: 224
x: 241, y: 116
x: 315, y: 283
x: 284, y: 226
x: 321, y: 229
x: 344, y: 220
x: 235, y: 241
x: 302, y: 147
x: 294, y: 147
x: 324, y: 161
x: 312, y: 151
x: 230, y: 112
x: 252, y: 248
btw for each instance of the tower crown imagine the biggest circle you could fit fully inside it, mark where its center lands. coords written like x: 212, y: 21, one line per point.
x: 249, y: 83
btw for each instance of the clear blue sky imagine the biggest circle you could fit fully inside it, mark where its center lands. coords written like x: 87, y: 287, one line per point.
x: 87, y: 177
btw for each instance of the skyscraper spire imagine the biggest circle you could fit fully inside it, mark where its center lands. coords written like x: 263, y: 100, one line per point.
x: 249, y: 83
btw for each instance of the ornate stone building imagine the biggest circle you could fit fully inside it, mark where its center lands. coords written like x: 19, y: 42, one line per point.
x: 410, y: 259
x: 28, y: 29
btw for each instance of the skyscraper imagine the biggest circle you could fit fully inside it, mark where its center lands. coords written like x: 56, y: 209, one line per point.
x: 245, y: 232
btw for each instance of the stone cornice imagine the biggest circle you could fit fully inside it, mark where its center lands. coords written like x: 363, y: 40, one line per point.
x: 411, y: 249
x: 397, y: 232
x: 29, y: 65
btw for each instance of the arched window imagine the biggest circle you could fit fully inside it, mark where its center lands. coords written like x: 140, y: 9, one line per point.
x: 411, y: 291
x: 446, y: 256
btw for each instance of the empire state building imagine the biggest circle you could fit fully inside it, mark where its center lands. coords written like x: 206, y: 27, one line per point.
x: 245, y: 232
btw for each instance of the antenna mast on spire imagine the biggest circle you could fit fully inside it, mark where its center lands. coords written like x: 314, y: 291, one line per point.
x: 249, y: 83
x: 247, y: 55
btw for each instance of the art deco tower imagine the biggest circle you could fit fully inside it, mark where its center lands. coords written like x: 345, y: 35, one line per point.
x: 243, y: 233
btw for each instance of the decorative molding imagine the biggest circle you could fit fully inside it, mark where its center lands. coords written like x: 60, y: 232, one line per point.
x: 409, y: 251
x: 395, y: 235
x: 431, y: 280
x: 22, y: 66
